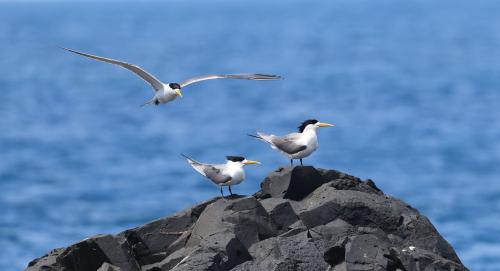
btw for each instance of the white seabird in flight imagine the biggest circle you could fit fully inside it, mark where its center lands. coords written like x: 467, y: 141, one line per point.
x: 230, y: 173
x: 296, y: 145
x: 166, y: 92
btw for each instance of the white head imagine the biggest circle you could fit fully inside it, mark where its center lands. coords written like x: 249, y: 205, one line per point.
x: 176, y: 88
x: 312, y: 124
x: 239, y: 160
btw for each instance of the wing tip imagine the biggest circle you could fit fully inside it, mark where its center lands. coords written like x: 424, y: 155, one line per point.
x: 254, y: 76
x: 66, y: 49
x: 255, y: 136
x: 262, y: 76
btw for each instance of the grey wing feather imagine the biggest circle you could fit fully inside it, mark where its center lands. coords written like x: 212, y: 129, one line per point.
x: 288, y: 143
x: 246, y: 76
x: 155, y: 83
x: 215, y: 174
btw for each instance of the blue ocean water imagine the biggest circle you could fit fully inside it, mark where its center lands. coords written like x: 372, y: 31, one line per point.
x: 413, y: 86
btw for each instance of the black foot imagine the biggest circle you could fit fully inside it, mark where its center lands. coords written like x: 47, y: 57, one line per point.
x: 230, y: 190
x: 157, y: 102
x: 291, y: 162
x: 221, y: 192
x: 301, y: 162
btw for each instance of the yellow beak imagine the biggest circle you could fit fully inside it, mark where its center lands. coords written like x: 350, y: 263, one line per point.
x: 324, y: 124
x: 251, y: 162
x: 178, y: 92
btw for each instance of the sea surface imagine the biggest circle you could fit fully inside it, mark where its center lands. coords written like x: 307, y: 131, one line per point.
x: 413, y: 87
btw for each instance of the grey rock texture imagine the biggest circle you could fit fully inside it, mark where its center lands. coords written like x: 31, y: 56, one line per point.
x: 301, y: 219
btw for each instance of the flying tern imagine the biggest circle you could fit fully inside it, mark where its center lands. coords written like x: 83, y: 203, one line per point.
x: 166, y: 92
x: 296, y: 145
x: 230, y: 173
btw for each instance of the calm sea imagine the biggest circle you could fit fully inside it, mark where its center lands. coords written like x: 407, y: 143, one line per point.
x: 413, y: 86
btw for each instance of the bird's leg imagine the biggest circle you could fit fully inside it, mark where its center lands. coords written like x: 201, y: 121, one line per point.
x: 291, y: 162
x: 157, y: 102
x: 230, y: 190
x: 221, y: 192
x: 301, y: 162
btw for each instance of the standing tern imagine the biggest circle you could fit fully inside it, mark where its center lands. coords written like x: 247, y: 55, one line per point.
x: 166, y: 92
x: 296, y: 145
x: 230, y: 173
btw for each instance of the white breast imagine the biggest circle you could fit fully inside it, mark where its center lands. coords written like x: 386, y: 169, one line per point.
x: 236, y: 172
x: 165, y: 95
x: 310, y: 139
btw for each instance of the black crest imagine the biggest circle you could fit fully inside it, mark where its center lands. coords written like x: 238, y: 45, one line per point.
x: 174, y: 86
x: 235, y: 158
x: 305, y: 123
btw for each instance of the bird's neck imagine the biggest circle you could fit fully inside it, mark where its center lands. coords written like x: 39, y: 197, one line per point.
x: 309, y: 131
x: 309, y: 135
x: 167, y: 88
x: 232, y: 164
x: 235, y: 170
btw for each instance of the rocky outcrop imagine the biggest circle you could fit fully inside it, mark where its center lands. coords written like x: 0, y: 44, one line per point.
x: 301, y: 219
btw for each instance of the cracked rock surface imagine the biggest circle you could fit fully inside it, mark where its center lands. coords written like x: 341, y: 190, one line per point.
x: 301, y: 219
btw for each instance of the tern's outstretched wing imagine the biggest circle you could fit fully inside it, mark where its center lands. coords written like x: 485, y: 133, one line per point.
x: 213, y: 172
x: 155, y: 83
x: 246, y: 76
x: 287, y: 144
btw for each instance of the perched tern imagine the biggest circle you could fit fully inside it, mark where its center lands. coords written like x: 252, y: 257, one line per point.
x: 230, y: 173
x: 296, y: 145
x: 166, y: 92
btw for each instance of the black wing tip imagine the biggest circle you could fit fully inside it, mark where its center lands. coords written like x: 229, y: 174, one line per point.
x: 261, y: 76
x: 255, y: 136
x: 65, y: 48
x: 70, y: 50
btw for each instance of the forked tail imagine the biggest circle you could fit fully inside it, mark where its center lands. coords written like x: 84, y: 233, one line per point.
x: 190, y: 160
x: 148, y: 102
x: 195, y: 164
x: 262, y: 136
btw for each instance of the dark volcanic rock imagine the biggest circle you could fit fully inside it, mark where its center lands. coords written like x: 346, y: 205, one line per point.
x: 295, y: 184
x: 301, y: 219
